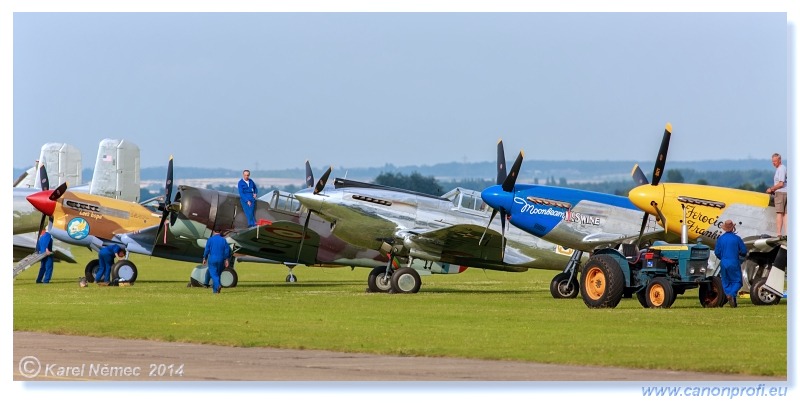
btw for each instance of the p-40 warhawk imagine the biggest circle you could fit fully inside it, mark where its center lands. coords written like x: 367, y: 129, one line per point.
x: 704, y: 208
x: 440, y: 234
x: 580, y: 220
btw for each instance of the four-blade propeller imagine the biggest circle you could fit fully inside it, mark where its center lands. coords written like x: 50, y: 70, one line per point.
x: 317, y: 188
x: 164, y: 207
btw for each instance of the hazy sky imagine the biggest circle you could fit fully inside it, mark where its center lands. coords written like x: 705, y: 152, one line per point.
x: 270, y: 90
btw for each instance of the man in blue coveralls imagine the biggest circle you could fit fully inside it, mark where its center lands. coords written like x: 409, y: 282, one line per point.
x: 248, y: 193
x: 729, y: 249
x: 216, y: 257
x: 45, y: 245
x: 106, y: 260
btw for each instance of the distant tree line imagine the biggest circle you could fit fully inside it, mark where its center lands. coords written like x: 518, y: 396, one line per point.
x: 752, y: 179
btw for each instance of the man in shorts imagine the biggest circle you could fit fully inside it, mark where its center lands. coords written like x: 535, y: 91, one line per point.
x: 779, y: 189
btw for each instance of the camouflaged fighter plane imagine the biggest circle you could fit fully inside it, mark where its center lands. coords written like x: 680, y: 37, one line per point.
x: 278, y: 237
x: 444, y: 235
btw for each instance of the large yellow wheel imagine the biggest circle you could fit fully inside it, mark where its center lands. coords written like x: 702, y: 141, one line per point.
x: 602, y: 282
x: 659, y: 293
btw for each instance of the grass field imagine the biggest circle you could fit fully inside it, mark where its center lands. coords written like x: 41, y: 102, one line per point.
x: 476, y: 314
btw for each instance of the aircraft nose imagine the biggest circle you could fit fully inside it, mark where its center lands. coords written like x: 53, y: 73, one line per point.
x: 498, y: 198
x: 641, y: 196
x: 41, y: 201
x: 309, y: 199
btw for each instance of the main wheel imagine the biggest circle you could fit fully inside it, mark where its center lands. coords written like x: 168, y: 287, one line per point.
x: 228, y: 278
x: 561, y: 287
x: 91, y: 270
x: 406, y: 281
x: 659, y: 293
x: 124, y: 270
x: 760, y: 296
x: 379, y: 280
x: 712, y: 294
x: 602, y: 282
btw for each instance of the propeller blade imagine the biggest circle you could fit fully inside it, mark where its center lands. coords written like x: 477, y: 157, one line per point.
x: 638, y: 176
x: 168, y: 185
x: 658, y: 169
x: 164, y: 207
x: 43, y: 178
x: 511, y: 180
x: 494, y: 213
x: 309, y: 175
x: 641, y: 230
x: 58, y: 192
x: 503, y: 227
x: 501, y: 163
x: 322, y: 181
x: 20, y: 178
x: 41, y: 226
x: 303, y: 237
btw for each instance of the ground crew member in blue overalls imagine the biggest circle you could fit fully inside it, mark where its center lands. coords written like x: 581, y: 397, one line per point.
x: 45, y: 245
x: 248, y: 193
x: 216, y: 256
x: 729, y: 250
x: 106, y: 260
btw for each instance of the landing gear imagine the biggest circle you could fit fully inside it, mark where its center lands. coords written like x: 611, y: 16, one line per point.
x: 124, y: 271
x: 291, y: 278
x: 761, y: 296
x: 379, y: 280
x: 228, y: 278
x: 406, y: 281
x: 565, y: 284
x: 91, y: 270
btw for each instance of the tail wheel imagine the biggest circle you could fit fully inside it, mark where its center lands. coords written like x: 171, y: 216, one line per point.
x: 712, y: 294
x: 291, y: 278
x: 406, y: 281
x: 602, y: 282
x: 659, y: 293
x: 228, y: 278
x: 561, y: 287
x: 91, y: 270
x: 124, y: 270
x: 379, y: 280
x: 760, y: 296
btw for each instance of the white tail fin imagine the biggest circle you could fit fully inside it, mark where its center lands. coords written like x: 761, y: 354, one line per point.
x: 116, y: 171
x: 63, y: 163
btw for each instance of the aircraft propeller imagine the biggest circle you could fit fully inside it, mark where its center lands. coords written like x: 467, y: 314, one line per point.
x: 318, y: 188
x: 309, y: 175
x: 658, y: 171
x: 55, y: 195
x: 507, y: 181
x: 164, y: 207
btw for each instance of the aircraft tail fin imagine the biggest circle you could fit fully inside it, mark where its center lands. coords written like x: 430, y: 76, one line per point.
x: 62, y: 161
x: 117, y: 171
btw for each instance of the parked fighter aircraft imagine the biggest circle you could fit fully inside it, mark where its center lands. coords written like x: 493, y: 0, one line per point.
x: 704, y: 209
x: 439, y: 233
x: 279, y: 235
x: 577, y: 219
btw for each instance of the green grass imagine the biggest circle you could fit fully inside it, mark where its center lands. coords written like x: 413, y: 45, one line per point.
x: 476, y: 314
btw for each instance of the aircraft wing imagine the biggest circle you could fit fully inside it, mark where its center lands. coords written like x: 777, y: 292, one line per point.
x: 765, y: 244
x: 142, y: 242
x: 277, y: 241
x: 25, y: 244
x: 458, y: 244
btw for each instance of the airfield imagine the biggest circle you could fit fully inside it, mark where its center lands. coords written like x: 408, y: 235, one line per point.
x: 478, y: 325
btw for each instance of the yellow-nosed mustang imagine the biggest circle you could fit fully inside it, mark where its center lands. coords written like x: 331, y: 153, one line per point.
x: 704, y: 208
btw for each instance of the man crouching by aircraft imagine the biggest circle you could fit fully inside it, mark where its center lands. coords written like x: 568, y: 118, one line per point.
x: 216, y: 257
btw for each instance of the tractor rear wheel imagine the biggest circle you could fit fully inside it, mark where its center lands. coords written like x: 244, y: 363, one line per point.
x: 602, y: 282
